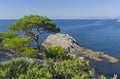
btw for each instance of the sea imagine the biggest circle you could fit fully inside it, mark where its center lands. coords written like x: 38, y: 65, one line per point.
x: 102, y: 35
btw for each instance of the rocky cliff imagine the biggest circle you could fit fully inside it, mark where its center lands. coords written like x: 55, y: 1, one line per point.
x: 69, y: 43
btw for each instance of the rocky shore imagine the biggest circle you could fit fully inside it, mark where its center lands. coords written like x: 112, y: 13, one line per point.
x: 75, y: 50
x: 64, y: 40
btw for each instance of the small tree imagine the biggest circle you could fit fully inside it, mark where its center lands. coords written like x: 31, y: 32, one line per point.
x: 34, y: 26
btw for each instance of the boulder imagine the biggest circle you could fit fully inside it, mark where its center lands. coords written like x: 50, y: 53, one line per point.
x: 64, y: 40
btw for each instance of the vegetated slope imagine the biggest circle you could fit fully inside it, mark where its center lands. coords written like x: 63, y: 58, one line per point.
x: 6, y: 55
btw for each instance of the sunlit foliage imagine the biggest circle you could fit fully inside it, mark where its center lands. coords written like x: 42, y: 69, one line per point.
x: 56, y: 52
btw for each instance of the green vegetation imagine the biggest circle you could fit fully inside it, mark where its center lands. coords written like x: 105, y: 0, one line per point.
x: 16, y: 69
x: 68, y: 69
x: 72, y: 69
x: 33, y: 26
x: 8, y: 35
x: 16, y: 44
x: 25, y: 30
x: 21, y: 46
x: 30, y: 52
x: 56, y: 52
x: 18, y: 39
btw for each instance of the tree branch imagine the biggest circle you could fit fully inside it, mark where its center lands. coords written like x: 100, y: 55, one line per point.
x: 38, y: 30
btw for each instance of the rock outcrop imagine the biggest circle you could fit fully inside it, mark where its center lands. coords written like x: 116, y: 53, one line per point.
x: 63, y: 40
x: 74, y: 49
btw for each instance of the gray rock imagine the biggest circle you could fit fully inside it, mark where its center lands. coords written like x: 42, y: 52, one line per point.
x: 6, y: 55
x: 64, y: 40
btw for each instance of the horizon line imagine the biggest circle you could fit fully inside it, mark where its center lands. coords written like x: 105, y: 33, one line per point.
x: 89, y: 17
x: 58, y: 18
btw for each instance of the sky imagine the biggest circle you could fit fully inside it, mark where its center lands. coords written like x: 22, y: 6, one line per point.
x: 60, y: 9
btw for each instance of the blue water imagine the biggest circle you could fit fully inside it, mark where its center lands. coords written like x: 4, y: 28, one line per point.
x: 99, y: 35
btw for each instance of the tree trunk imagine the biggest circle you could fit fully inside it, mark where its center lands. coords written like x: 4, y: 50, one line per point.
x: 37, y: 45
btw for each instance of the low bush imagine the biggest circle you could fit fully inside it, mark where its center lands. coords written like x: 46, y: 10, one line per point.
x: 16, y: 44
x: 30, y: 52
x: 73, y: 69
x: 15, y: 69
x: 68, y: 69
x: 56, y: 52
x: 21, y: 46
x: 8, y: 35
x: 21, y: 69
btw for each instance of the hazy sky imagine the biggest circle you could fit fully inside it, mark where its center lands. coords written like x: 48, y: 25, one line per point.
x: 59, y: 8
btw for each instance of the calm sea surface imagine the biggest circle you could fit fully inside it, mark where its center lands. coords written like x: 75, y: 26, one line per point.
x: 99, y: 35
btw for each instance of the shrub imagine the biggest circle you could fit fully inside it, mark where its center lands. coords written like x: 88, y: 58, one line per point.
x: 30, y: 52
x: 15, y: 69
x: 8, y: 35
x: 73, y: 69
x: 68, y: 69
x: 56, y: 52
x: 16, y: 44
x: 21, y: 69
x: 21, y: 46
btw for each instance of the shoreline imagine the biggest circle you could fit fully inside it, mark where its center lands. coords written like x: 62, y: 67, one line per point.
x: 73, y: 48
x: 98, y: 56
